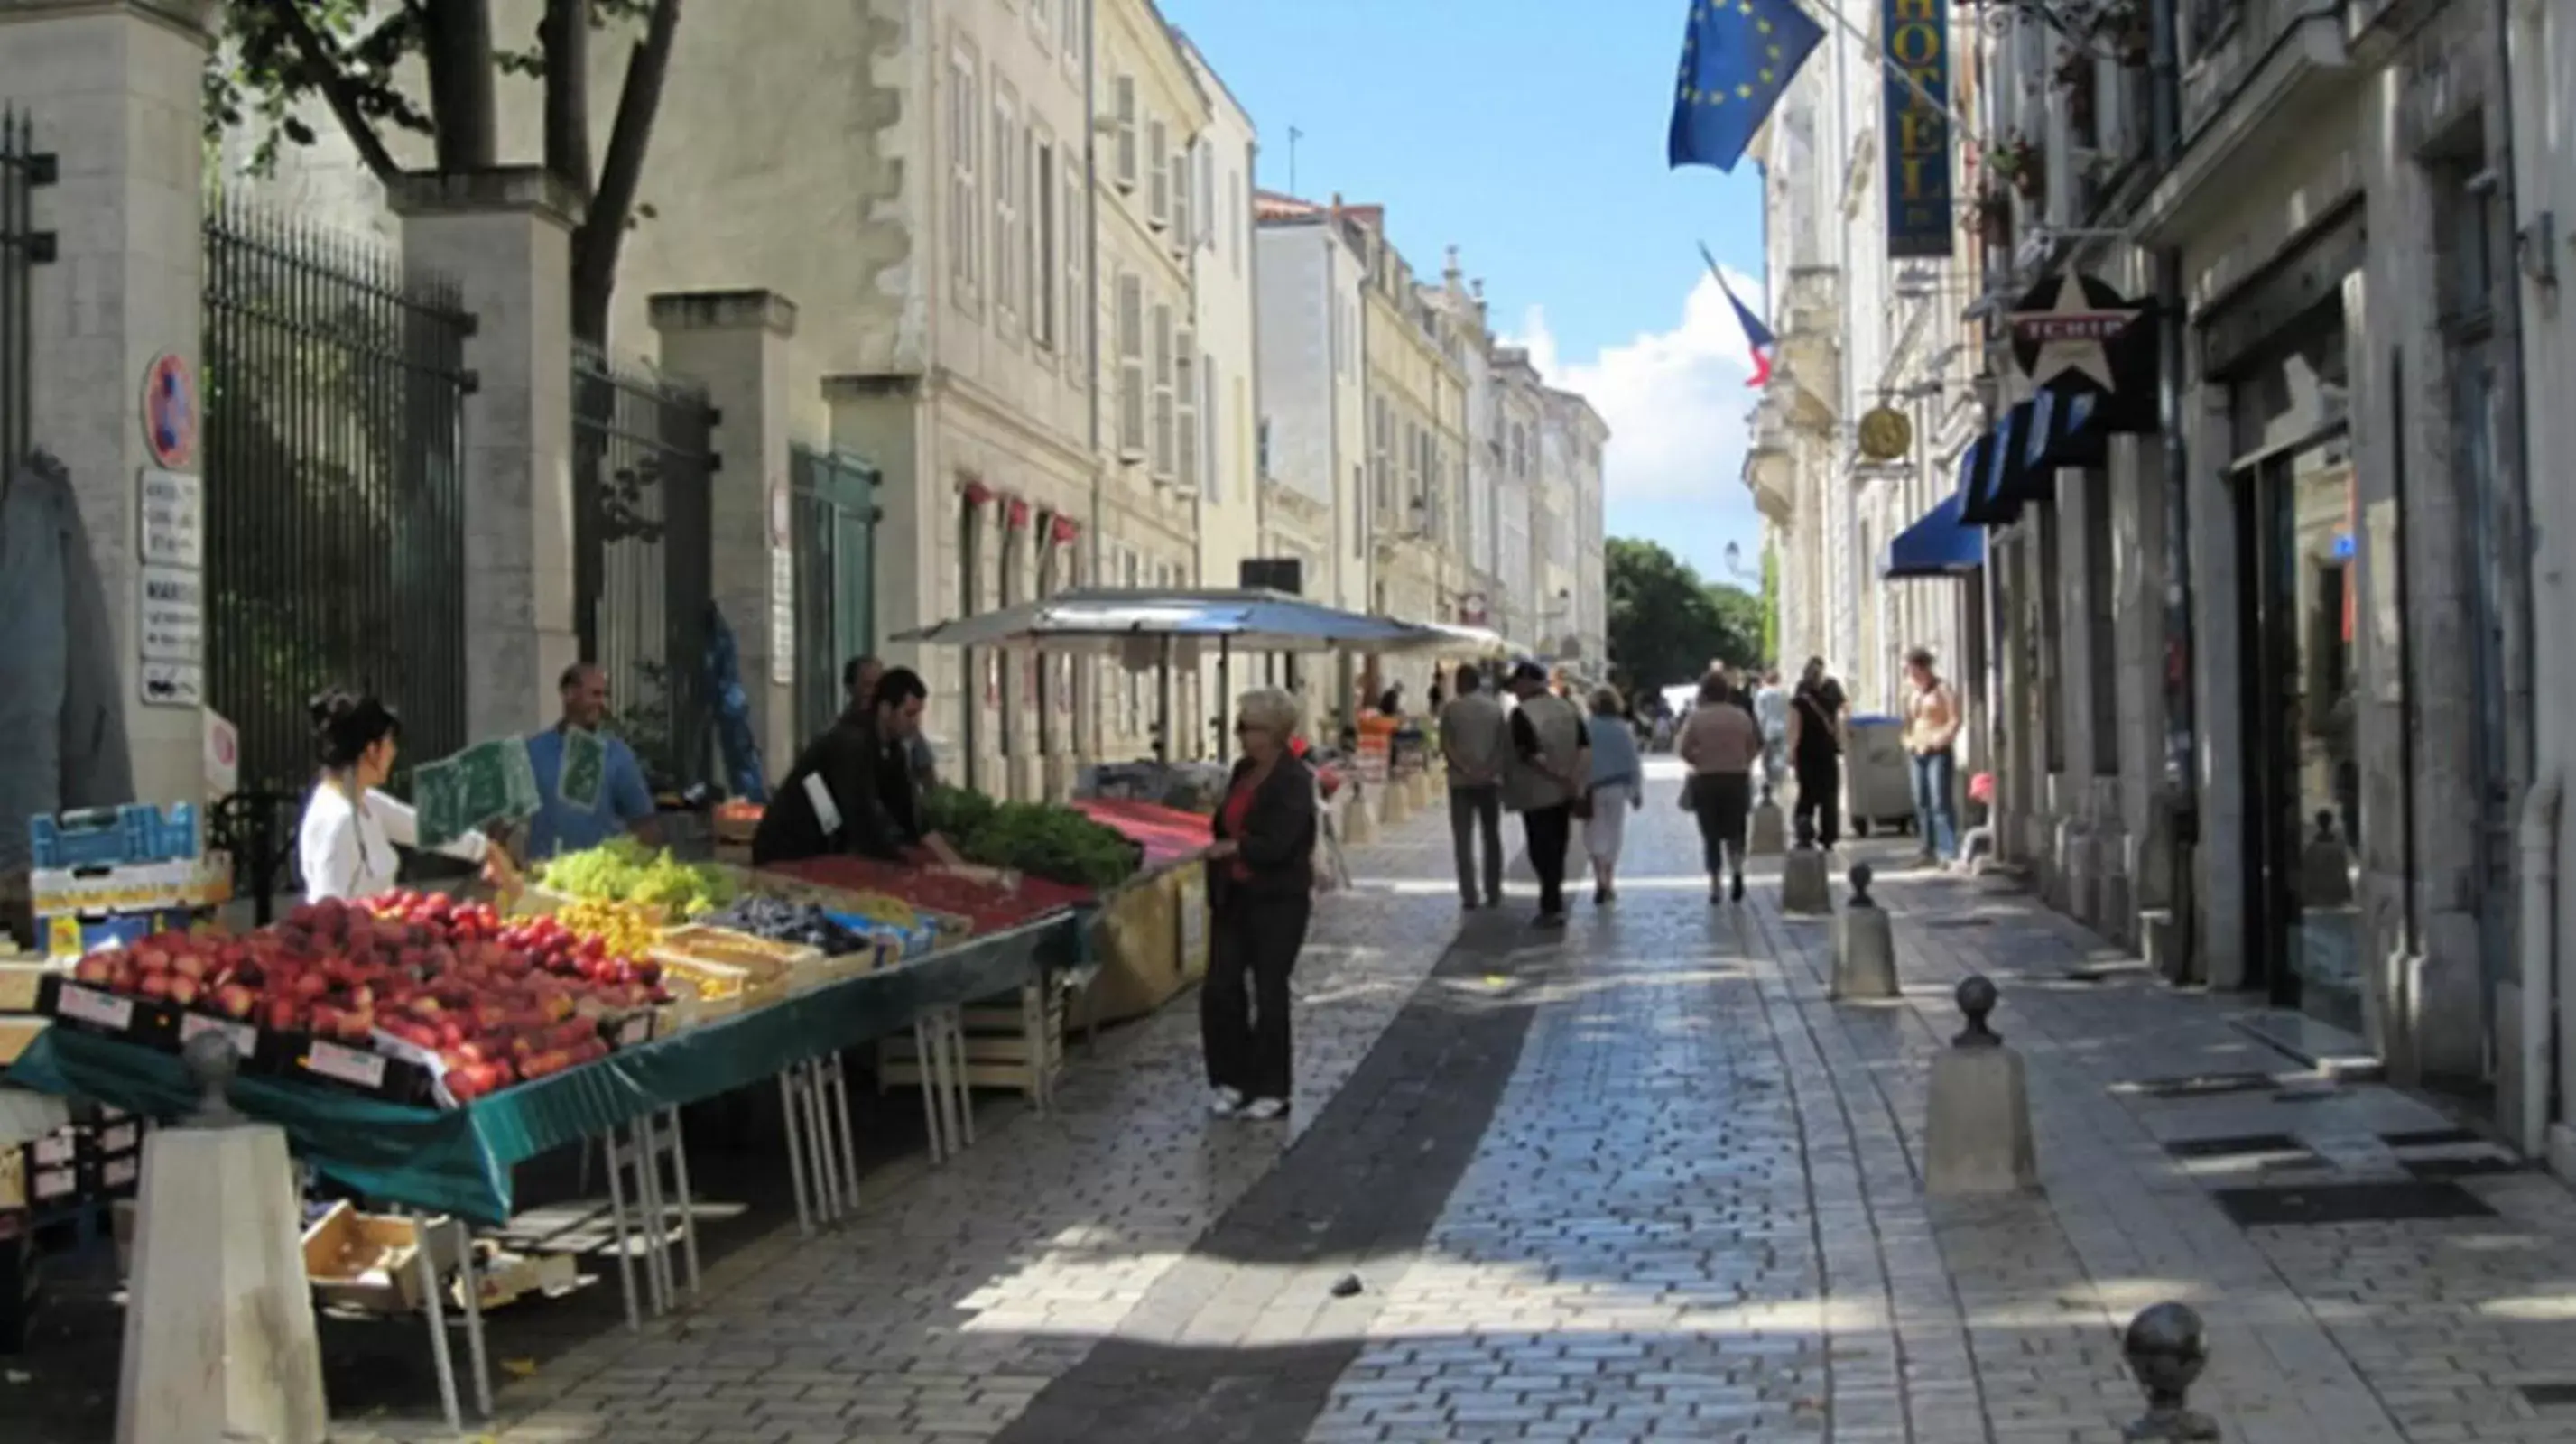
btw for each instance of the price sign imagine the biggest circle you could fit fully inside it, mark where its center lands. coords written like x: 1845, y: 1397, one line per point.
x: 585, y: 769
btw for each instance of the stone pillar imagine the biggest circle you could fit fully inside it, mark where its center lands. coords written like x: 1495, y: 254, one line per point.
x: 736, y: 344
x: 113, y: 92
x: 505, y: 237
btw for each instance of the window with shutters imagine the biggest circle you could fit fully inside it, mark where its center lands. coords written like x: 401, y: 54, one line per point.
x: 1131, y: 366
x: 1382, y: 457
x: 1411, y: 512
x: 1041, y: 232
x: 1218, y: 452
x: 1158, y: 174
x: 1237, y: 206
x: 1183, y: 205
x: 1008, y: 274
x: 1076, y: 49
x: 965, y: 210
x: 1160, y: 338
x: 1077, y: 303
x: 1186, y: 437
x: 1122, y: 100
x: 1203, y: 206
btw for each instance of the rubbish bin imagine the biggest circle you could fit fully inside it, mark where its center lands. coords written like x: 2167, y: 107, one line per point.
x: 1878, y: 785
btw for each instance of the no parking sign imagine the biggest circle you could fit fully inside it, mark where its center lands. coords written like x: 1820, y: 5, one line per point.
x: 170, y: 412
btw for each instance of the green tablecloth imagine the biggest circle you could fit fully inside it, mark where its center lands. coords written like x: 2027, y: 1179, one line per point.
x: 459, y: 1161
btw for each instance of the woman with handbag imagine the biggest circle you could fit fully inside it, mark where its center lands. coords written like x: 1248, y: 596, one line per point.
x: 1261, y: 880
x: 1721, y: 743
x: 1618, y: 779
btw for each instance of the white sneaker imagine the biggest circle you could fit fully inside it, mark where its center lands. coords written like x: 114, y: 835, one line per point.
x: 1265, y: 1109
x: 1225, y: 1102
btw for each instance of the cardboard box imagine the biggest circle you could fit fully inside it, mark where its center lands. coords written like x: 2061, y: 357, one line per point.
x: 371, y: 1263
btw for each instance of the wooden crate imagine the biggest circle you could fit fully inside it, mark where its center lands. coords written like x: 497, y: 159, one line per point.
x: 999, y: 1051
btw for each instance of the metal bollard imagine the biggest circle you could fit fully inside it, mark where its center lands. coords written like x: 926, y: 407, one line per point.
x: 1861, y: 874
x: 2166, y: 1351
x: 1977, y: 996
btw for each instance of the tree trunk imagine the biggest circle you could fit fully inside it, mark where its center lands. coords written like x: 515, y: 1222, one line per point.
x: 565, y: 38
x: 457, y: 47
x: 596, y: 244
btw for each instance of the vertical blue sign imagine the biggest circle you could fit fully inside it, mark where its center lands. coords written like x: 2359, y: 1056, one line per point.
x: 1922, y: 221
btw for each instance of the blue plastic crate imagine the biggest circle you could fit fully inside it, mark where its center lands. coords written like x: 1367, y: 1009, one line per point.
x: 115, y: 836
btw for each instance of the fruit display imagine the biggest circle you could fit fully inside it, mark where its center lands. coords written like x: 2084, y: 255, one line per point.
x: 490, y: 1003
x: 984, y: 904
x: 624, y: 929
x: 624, y: 870
x: 779, y: 920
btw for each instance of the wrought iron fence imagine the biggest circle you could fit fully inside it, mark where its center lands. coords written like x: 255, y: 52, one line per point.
x: 835, y: 538
x: 335, y: 387
x: 22, y: 248
x: 643, y: 561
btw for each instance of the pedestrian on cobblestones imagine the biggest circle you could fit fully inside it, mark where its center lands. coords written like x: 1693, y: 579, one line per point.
x: 1816, y: 751
x: 1618, y: 784
x: 1551, y: 766
x: 1721, y: 742
x: 1476, y: 744
x: 1261, y: 883
x: 1932, y: 722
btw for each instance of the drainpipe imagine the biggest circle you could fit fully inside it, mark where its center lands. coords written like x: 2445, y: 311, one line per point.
x: 2182, y: 753
x: 1086, y: 701
x: 2536, y: 872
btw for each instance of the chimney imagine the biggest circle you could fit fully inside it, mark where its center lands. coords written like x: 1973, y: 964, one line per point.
x: 1337, y: 205
x: 1451, y: 273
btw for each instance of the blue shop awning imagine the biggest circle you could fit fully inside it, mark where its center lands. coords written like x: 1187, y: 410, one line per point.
x: 1940, y: 544
x: 2066, y: 429
x: 1993, y: 491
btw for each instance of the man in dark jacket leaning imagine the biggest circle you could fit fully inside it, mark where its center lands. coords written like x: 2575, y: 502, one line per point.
x: 853, y: 789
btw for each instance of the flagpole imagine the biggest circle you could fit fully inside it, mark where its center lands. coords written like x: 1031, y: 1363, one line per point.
x: 1968, y: 129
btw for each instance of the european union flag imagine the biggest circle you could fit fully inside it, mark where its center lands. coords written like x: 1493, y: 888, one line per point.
x: 1737, y: 58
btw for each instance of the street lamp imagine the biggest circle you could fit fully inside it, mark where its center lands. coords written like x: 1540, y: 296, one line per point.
x: 1735, y: 565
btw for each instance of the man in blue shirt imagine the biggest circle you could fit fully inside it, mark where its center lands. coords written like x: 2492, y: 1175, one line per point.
x: 624, y: 803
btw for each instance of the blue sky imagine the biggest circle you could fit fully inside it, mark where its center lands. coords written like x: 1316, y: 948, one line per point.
x: 1530, y: 134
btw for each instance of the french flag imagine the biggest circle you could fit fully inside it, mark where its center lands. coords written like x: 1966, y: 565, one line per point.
x: 1757, y: 337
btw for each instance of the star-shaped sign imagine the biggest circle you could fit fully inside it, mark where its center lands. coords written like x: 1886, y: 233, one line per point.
x: 2073, y: 335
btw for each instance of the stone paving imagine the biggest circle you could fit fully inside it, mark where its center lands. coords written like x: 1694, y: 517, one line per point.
x: 1643, y: 1182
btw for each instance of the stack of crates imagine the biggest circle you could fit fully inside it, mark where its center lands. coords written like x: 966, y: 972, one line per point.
x: 58, y: 1194
x: 112, y: 875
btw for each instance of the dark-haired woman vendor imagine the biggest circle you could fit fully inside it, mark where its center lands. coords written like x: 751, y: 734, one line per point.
x: 351, y: 827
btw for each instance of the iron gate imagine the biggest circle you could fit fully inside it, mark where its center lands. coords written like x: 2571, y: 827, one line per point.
x: 643, y: 559
x: 22, y: 249
x: 335, y: 387
x: 835, y: 541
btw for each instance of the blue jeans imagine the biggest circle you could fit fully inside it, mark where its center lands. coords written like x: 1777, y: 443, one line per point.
x: 1935, y: 773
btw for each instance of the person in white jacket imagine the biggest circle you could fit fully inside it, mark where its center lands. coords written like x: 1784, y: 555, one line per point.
x: 351, y: 827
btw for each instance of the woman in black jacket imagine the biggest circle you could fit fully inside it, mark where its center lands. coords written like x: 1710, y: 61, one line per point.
x: 1261, y: 881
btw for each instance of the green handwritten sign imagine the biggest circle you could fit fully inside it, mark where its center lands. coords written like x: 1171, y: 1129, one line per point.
x: 585, y: 769
x: 487, y: 782
x: 438, y: 803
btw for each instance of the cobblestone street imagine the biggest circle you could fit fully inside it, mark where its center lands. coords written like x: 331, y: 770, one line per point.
x: 1643, y: 1182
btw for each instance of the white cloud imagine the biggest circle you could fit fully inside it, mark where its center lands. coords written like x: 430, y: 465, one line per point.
x: 1676, y: 401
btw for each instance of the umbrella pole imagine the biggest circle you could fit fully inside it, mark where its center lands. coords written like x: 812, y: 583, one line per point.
x: 1224, y: 699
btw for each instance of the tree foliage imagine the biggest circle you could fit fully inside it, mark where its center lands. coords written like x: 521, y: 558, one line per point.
x: 1667, y: 624
x: 280, y: 57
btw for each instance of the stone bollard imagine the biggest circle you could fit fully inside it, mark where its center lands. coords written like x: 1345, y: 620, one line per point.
x: 1803, y: 888
x: 2166, y: 1351
x: 219, y: 1337
x: 1864, y: 946
x: 1769, y: 834
x: 1977, y: 1135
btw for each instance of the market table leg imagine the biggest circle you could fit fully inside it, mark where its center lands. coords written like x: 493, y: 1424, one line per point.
x: 424, y: 1258
x: 478, y: 1355
x: 688, y: 1202
x: 840, y: 1078
x: 926, y: 1066
x: 795, y: 1151
x: 617, y: 1224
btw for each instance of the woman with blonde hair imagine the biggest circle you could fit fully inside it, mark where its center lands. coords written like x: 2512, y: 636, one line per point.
x: 1261, y: 881
x: 1618, y: 785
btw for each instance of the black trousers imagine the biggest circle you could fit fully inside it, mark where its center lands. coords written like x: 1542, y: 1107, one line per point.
x: 1550, y: 831
x: 1243, y: 1005
x: 1820, y: 796
x: 1721, y: 802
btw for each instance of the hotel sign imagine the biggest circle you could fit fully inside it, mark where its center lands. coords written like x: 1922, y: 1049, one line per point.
x: 1921, y: 224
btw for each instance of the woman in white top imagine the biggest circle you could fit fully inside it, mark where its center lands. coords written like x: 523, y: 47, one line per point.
x: 351, y: 828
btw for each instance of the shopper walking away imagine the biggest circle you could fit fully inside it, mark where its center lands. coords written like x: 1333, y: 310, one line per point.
x: 351, y: 827
x: 1261, y: 886
x: 1816, y: 753
x: 1618, y: 785
x: 1550, y: 767
x: 1720, y: 744
x: 1476, y: 743
x: 1932, y: 723
x: 1771, y: 714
